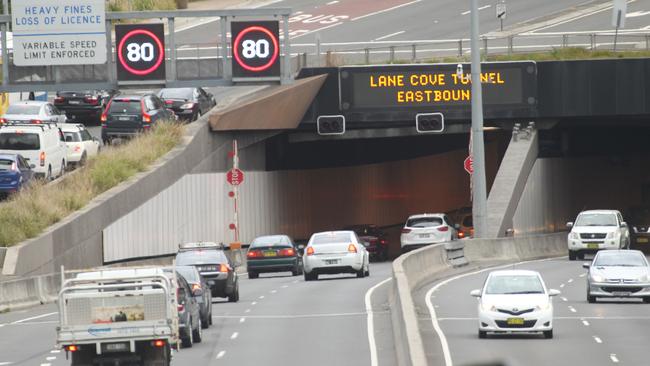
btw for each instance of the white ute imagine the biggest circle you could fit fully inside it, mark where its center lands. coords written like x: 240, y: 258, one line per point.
x: 122, y: 316
x: 595, y: 230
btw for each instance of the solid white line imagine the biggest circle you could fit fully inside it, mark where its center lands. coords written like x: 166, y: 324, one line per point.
x: 570, y: 280
x: 332, y: 2
x: 385, y: 10
x: 598, y: 340
x: 34, y: 317
x: 241, y: 320
x: 389, y: 35
x: 220, y: 354
x: 432, y: 311
x: 234, y: 335
x: 613, y: 357
x: 370, y: 322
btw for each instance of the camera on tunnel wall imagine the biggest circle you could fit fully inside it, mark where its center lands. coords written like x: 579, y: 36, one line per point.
x: 429, y: 122
x: 330, y: 125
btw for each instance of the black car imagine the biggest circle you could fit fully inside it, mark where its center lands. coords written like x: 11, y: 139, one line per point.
x: 189, y: 316
x: 128, y: 115
x: 273, y: 253
x: 375, y: 240
x: 84, y: 106
x: 188, y: 103
x: 212, y: 264
x: 639, y: 224
x: 200, y: 291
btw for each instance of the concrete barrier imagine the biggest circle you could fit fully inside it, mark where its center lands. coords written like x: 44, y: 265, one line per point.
x: 26, y: 292
x: 431, y: 263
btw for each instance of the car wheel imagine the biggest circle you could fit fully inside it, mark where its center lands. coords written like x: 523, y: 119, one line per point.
x: 205, y: 322
x: 572, y: 255
x: 646, y: 300
x: 482, y: 334
x: 48, y: 177
x: 188, y: 341
x: 62, y: 168
x: 591, y: 299
x: 548, y: 334
x: 198, y: 115
x: 82, y: 161
x: 234, y: 297
x: 311, y: 276
x: 253, y: 275
x: 198, y: 333
x: 367, y: 271
x: 295, y: 271
x: 361, y: 273
x: 210, y: 316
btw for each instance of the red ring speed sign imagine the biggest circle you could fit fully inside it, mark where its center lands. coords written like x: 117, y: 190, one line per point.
x: 274, y: 56
x: 140, y: 51
x: 255, y: 49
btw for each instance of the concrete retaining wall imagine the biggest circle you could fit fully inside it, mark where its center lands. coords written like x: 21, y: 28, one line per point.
x: 430, y: 264
x: 27, y: 292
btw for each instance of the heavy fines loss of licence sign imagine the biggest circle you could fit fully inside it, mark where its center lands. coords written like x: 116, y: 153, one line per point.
x: 63, y: 32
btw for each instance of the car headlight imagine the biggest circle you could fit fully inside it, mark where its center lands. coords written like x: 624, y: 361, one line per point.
x: 488, y: 307
x: 597, y: 278
x: 612, y: 235
x: 635, y: 229
x: 643, y: 278
x: 543, y: 307
x: 573, y: 236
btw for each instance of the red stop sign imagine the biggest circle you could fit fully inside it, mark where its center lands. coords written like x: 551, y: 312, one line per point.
x: 235, y: 177
x: 468, y: 164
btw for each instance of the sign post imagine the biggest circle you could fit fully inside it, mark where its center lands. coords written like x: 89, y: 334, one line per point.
x: 501, y: 12
x: 468, y: 164
x: 235, y: 177
x: 64, y: 32
x: 618, y: 17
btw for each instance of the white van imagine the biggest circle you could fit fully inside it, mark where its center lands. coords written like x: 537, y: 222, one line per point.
x: 40, y: 144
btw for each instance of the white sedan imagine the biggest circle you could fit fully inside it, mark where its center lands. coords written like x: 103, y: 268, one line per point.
x: 335, y: 252
x: 514, y: 301
x: 81, y: 145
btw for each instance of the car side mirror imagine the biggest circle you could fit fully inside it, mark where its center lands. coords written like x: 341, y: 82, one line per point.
x: 586, y: 265
x: 553, y: 292
x: 32, y: 166
x: 197, y: 292
x: 475, y: 293
x: 623, y: 224
x: 301, y: 246
x: 569, y: 225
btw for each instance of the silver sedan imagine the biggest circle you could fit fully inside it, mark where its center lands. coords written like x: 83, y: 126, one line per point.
x: 32, y: 111
x: 618, y: 274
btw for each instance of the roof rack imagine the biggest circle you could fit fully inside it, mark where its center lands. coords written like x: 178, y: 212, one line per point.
x: 26, y: 124
x: 200, y: 245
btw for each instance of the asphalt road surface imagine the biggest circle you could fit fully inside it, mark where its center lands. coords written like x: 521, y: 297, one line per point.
x: 279, y: 320
x: 604, y: 333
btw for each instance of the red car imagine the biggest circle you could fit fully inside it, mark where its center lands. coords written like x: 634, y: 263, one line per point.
x: 374, y: 239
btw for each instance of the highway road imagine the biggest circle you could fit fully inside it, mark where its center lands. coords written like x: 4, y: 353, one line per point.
x: 279, y: 320
x: 605, y: 333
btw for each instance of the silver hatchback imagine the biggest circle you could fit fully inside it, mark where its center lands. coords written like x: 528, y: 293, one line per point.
x: 618, y: 274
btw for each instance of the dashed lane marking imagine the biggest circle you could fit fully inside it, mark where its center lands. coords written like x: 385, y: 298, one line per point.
x: 389, y: 35
x: 295, y: 316
x: 221, y: 354
x: 585, y: 322
x: 386, y: 10
x: 285, y: 286
x: 572, y: 309
x: 570, y: 280
x: 333, y: 2
x: 564, y: 298
x: 562, y: 285
x: 582, y: 275
x: 51, y: 358
x: 613, y: 357
x: 234, y: 335
x: 261, y: 296
x: 598, y: 340
x: 241, y: 320
x: 254, y: 303
x: 247, y: 310
x: 274, y: 291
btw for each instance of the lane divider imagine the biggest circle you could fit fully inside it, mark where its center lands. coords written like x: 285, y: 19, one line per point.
x: 598, y: 340
x: 613, y: 357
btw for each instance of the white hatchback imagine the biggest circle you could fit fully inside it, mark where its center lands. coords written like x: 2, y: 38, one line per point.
x: 426, y: 229
x: 335, y: 252
x: 514, y: 301
x: 81, y: 145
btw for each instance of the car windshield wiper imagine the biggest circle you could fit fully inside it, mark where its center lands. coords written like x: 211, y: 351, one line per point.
x: 624, y: 265
x: 522, y: 292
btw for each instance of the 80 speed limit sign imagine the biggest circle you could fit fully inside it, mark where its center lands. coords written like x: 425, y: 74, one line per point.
x: 140, y: 52
x: 256, y: 49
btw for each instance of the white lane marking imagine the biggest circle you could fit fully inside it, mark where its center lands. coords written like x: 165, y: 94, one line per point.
x: 370, y: 322
x: 561, y: 285
x: 274, y: 291
x: 385, y: 10
x: 389, y: 35
x: 582, y: 318
x: 573, y: 310
x: 51, y: 358
x: 46, y: 364
x: 333, y: 2
x: 234, y: 335
x: 5, y: 363
x: 55, y: 351
x: 241, y: 320
x: 261, y: 296
x: 564, y: 298
x: 585, y: 322
x: 34, y: 317
x: 315, y: 31
x: 247, y: 310
x: 220, y: 354
x: 598, y: 340
x: 479, y: 9
x: 254, y: 303
x: 285, y: 286
x: 613, y: 357
x: 635, y: 14
x: 582, y: 275
x: 574, y: 18
x: 570, y: 280
x: 295, y: 281
x: 291, y: 316
x: 432, y: 311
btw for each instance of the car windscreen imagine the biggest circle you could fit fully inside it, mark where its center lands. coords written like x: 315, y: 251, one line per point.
x: 194, y: 257
x: 514, y: 284
x: 424, y: 222
x: 5, y: 164
x: 620, y: 260
x: 189, y: 273
x: 119, y: 106
x: 270, y: 241
x: 19, y: 141
x: 72, y: 137
x: 332, y: 238
x: 176, y: 93
x: 23, y: 109
x: 596, y: 219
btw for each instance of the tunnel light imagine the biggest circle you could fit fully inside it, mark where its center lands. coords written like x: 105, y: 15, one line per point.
x: 330, y: 125
x: 429, y: 122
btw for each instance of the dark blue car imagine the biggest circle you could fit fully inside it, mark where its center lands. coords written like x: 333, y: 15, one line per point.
x: 15, y: 173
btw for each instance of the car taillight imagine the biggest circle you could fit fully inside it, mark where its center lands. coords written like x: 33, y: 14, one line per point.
x: 169, y: 102
x: 443, y: 228
x: 223, y: 268
x: 310, y: 250
x: 72, y: 348
x: 181, y: 308
x: 406, y: 231
x: 146, y: 118
x: 59, y: 100
x: 91, y: 100
x: 461, y: 234
x: 188, y: 105
x: 3, y: 120
x: 352, y: 248
x: 158, y: 343
x: 36, y: 121
x: 254, y: 254
x: 383, y: 242
x: 287, y: 252
x: 41, y: 157
x: 103, y: 118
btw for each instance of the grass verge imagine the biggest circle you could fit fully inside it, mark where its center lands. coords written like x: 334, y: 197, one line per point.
x: 28, y: 213
x: 140, y: 5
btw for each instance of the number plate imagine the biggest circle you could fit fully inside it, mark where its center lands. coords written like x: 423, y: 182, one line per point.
x: 117, y: 347
x: 271, y: 254
x: 124, y: 118
x: 621, y: 293
x: 641, y: 240
x: 423, y: 236
x: 592, y: 245
x: 74, y: 102
x: 331, y: 261
x: 515, y: 321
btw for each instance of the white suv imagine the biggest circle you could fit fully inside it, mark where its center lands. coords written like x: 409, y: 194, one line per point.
x: 597, y: 229
x: 425, y: 229
x: 81, y: 144
x: 40, y: 144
